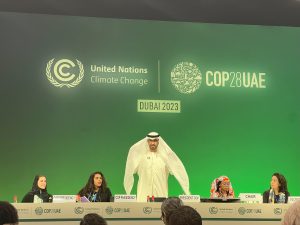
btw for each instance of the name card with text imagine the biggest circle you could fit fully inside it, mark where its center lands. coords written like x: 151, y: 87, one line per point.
x: 64, y: 198
x: 190, y: 198
x: 293, y: 199
x: 125, y: 198
x: 251, y: 197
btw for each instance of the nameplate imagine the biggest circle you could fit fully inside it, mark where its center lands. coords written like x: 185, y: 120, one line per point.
x: 293, y: 199
x: 250, y: 197
x: 125, y: 198
x: 190, y: 198
x: 64, y: 198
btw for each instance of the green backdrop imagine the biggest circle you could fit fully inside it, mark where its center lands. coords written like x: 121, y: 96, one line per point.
x: 68, y: 133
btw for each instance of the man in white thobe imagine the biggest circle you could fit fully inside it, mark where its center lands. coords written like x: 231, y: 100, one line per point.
x: 153, y: 160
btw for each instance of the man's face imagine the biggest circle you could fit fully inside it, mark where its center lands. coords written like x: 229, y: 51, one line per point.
x: 153, y: 144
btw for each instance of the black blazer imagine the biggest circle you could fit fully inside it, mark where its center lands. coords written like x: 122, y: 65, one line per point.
x: 267, y: 193
x: 102, y: 196
x: 29, y: 197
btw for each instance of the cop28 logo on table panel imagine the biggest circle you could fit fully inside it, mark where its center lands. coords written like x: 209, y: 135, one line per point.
x: 242, y: 211
x: 39, y: 211
x: 109, y: 210
x: 66, y: 72
x: 186, y: 77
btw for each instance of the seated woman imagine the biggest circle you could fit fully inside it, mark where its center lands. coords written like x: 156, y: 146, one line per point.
x: 221, y: 188
x: 278, y: 192
x: 96, y: 189
x: 38, y: 193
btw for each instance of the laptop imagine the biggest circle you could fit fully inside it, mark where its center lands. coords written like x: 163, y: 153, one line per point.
x: 84, y: 199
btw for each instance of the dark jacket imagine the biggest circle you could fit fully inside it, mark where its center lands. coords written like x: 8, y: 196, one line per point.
x: 29, y: 197
x: 267, y: 193
x: 102, y: 196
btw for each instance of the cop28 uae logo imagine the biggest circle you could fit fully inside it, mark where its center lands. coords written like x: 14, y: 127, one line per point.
x: 39, y: 211
x: 66, y: 72
x: 242, y: 211
x: 109, y: 210
x: 186, y: 77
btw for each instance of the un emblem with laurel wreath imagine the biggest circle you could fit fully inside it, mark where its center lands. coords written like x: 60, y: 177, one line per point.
x: 62, y: 70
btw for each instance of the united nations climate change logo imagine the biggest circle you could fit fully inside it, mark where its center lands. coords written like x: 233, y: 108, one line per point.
x: 79, y: 210
x: 147, y: 210
x: 66, y: 72
x: 213, y: 210
x: 278, y: 211
x: 186, y: 77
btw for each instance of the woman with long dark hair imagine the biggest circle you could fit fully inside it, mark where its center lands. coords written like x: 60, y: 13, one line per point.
x: 38, y: 192
x: 96, y: 189
x: 278, y: 192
